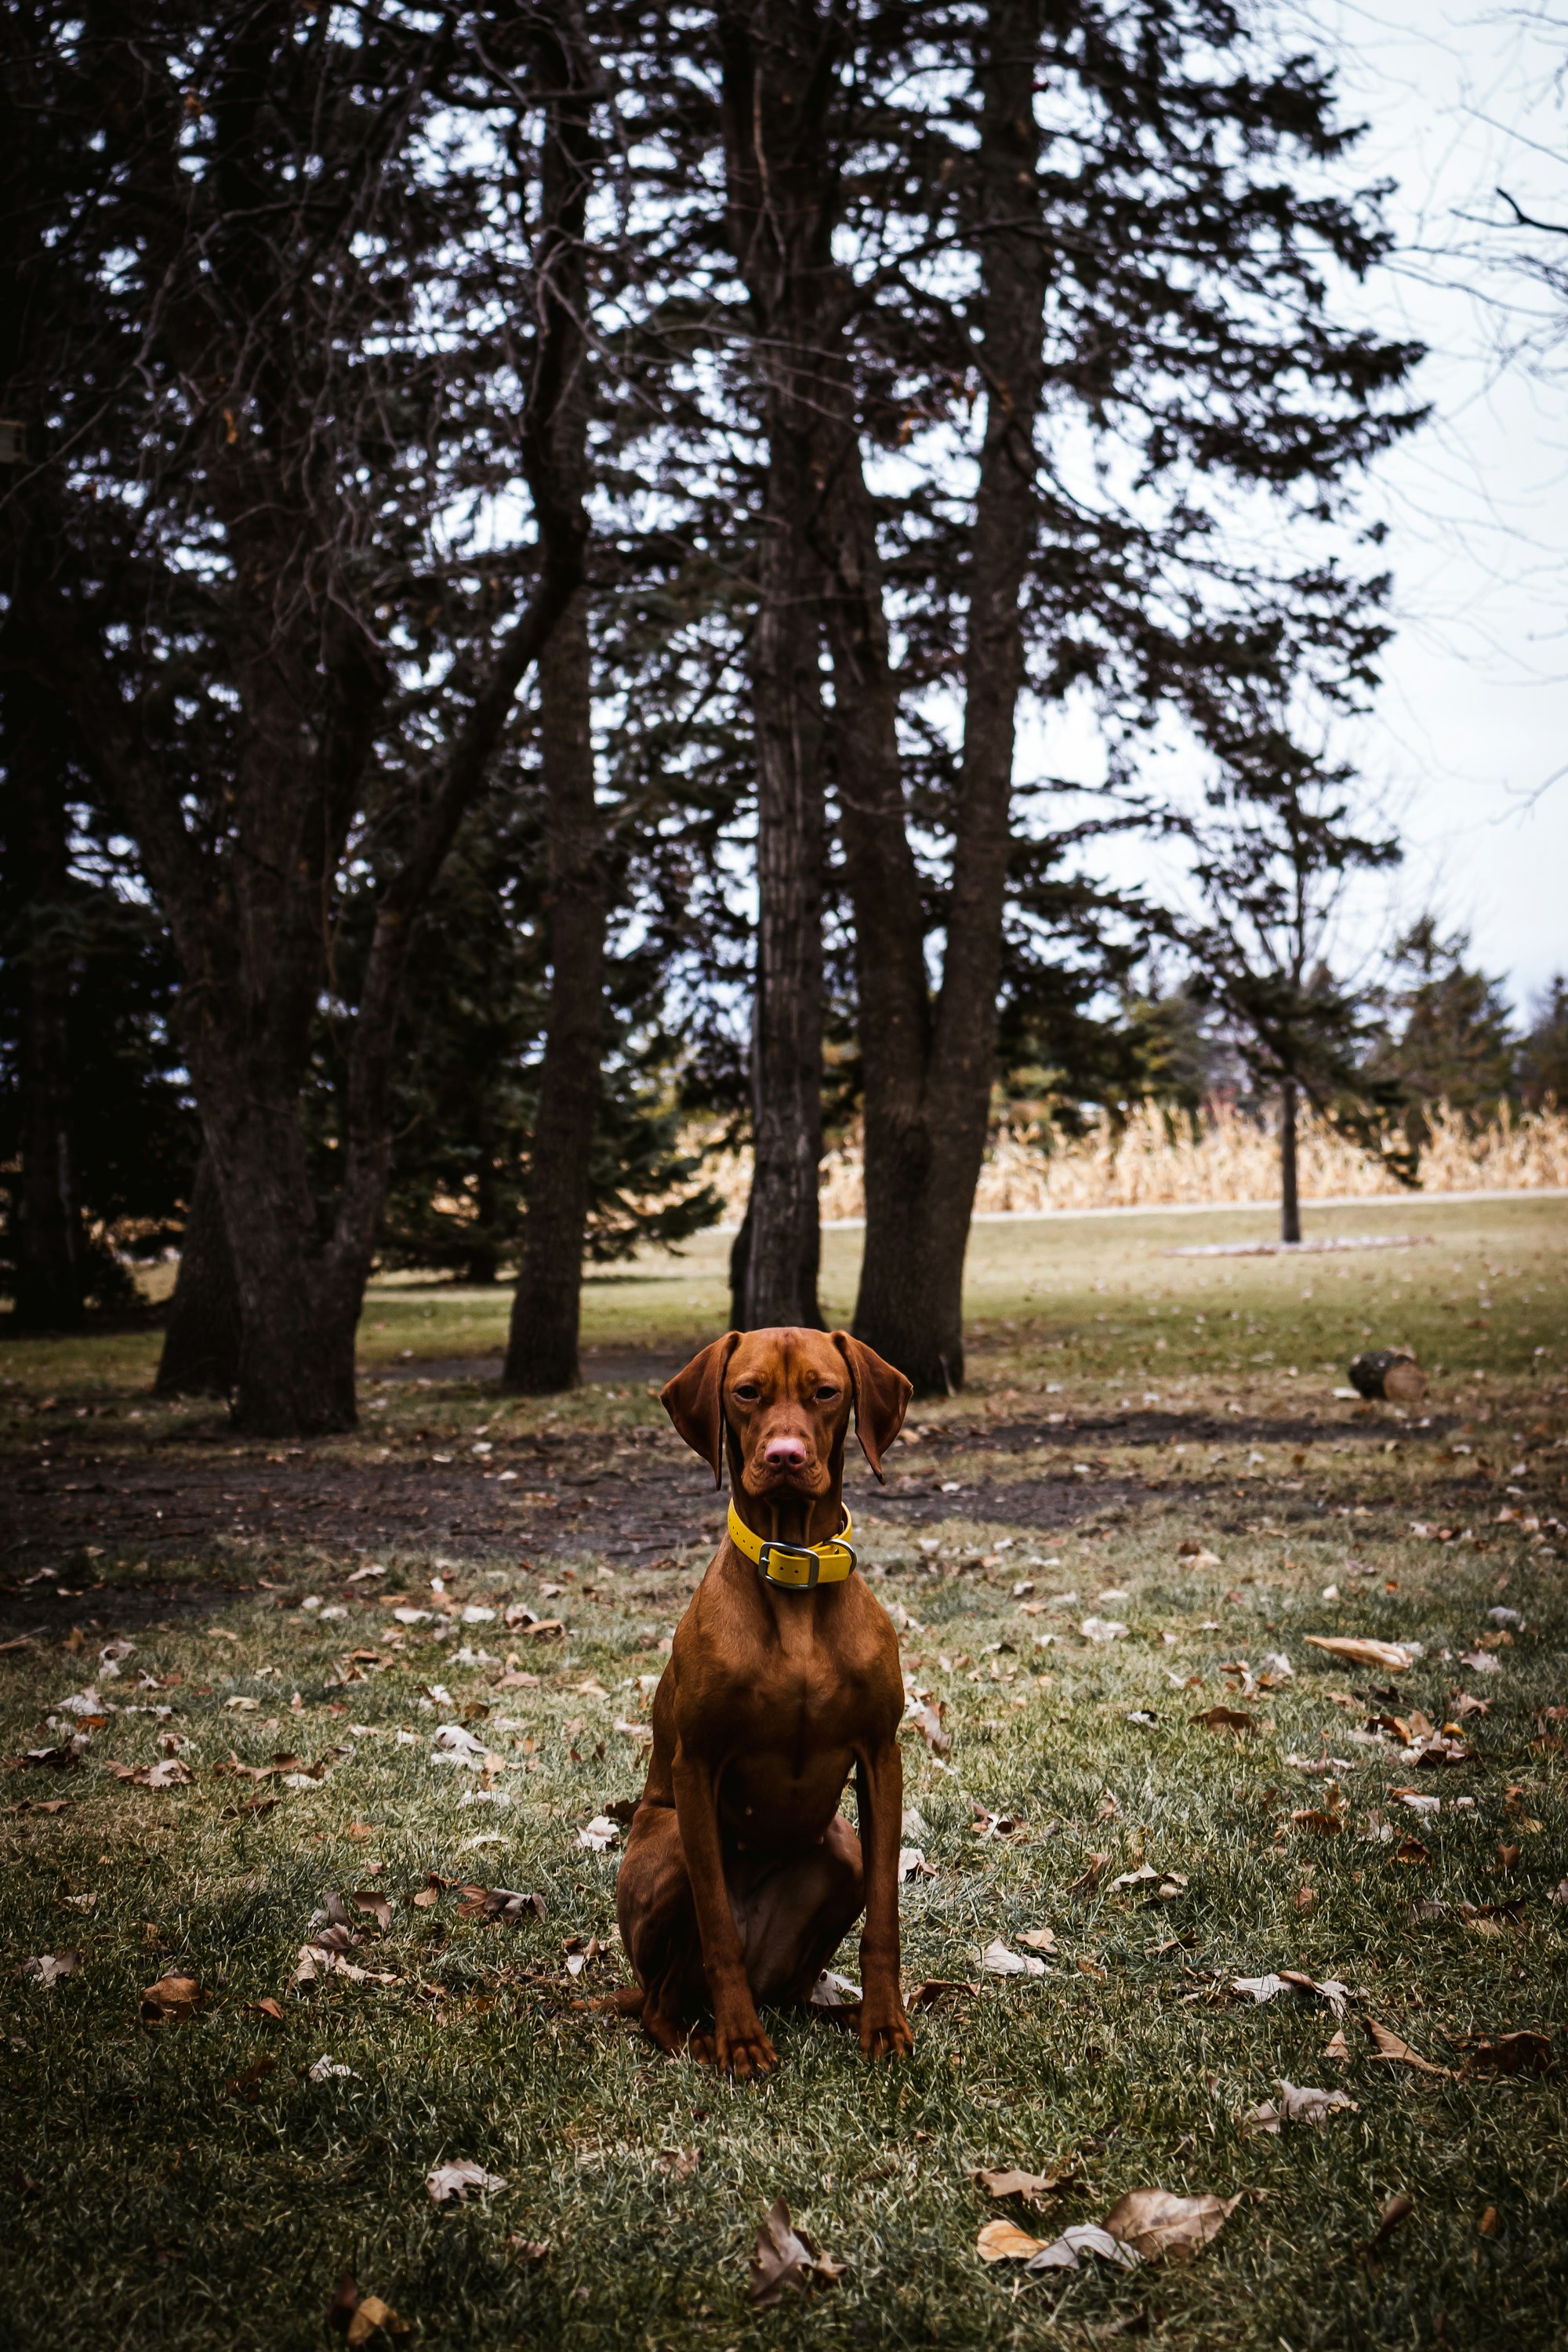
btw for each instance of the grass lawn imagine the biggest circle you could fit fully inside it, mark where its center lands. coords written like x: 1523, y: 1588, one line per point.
x: 206, y: 2181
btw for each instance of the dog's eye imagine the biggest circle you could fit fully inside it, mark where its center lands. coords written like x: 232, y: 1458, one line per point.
x: 746, y: 1392
x: 827, y: 1393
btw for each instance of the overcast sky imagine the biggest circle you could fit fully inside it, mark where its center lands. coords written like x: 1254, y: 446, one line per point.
x: 1472, y: 723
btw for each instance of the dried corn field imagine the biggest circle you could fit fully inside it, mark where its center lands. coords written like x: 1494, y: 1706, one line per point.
x: 1148, y: 1162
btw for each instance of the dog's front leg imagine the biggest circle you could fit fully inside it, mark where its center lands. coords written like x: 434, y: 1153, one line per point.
x: 742, y: 2048
x: 885, y: 2029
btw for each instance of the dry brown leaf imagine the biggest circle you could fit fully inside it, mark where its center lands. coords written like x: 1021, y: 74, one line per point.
x: 370, y: 2314
x: 375, y: 1905
x: 1490, y: 2223
x: 247, y: 2083
x: 170, y: 1773
x: 931, y: 1989
x: 345, y: 2296
x: 1038, y: 1940
x: 680, y: 2163
x: 1411, y: 1849
x: 1386, y: 2045
x: 1224, y: 1718
x: 1508, y: 2053
x: 270, y: 2009
x: 1398, y: 2208
x: 1156, y: 2224
x: 1030, y: 2185
x: 47, y: 1967
x: 1391, y: 1655
x: 927, y: 1720
x: 170, y: 2000
x: 1003, y: 2242
x: 1338, y: 2048
x: 1088, y: 1879
x: 785, y: 2256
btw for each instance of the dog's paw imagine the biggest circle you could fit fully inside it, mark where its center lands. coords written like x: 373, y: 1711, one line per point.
x: 885, y: 2033
x: 745, y: 2053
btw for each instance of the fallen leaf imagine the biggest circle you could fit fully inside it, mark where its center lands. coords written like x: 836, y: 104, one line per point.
x: 785, y: 2256
x: 1088, y: 1879
x: 375, y: 1905
x: 832, y: 1991
x: 679, y: 2163
x: 1393, y: 1657
x: 249, y: 2082
x: 1103, y: 1628
x: 1224, y: 1718
x: 926, y: 1719
x: 931, y: 1989
x: 1338, y: 2048
x: 171, y: 1772
x: 1030, y: 2185
x: 1386, y: 2045
x: 1489, y: 2223
x: 269, y: 2008
x: 1480, y: 1662
x: 326, y: 2069
x: 454, y: 2181
x: 340, y: 2309
x: 600, y: 1833
x: 170, y: 2000
x: 1038, y: 1940
x: 47, y: 1967
x: 912, y: 1864
x: 1154, y: 2223
x: 1298, y: 2103
x: 998, y: 1961
x: 527, y: 2250
x: 1003, y: 2242
x: 1398, y: 2208
x: 1411, y: 1849
x: 1508, y: 2053
x: 370, y: 2314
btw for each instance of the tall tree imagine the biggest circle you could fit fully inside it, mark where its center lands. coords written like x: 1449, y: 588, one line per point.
x: 275, y: 247
x: 1273, y: 867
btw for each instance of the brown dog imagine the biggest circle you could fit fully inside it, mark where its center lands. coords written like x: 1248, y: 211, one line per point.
x: 740, y: 1876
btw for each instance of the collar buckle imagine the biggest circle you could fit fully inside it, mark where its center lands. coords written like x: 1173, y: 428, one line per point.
x: 796, y: 1552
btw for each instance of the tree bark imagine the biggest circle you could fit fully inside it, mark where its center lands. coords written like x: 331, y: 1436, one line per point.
x: 784, y: 1249
x: 202, y: 1336
x: 930, y: 1067
x: 45, y: 1222
x: 781, y: 196
x: 1289, y: 1203
x: 542, y: 1344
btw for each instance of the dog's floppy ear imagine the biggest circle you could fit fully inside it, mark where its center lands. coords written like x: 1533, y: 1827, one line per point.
x: 882, y: 1396
x: 694, y: 1400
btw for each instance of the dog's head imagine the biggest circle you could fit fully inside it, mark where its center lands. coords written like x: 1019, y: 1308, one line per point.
x: 781, y: 1402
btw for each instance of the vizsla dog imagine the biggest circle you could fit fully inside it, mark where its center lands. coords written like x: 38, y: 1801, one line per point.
x: 740, y: 1875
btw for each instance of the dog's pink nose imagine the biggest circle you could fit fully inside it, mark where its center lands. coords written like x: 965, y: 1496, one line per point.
x: 788, y: 1453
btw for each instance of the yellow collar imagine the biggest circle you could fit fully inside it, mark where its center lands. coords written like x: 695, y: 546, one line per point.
x: 798, y: 1566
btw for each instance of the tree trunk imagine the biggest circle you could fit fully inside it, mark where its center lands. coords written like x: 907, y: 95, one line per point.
x: 781, y: 197
x: 785, y: 1227
x: 541, y: 1347
x: 1290, y: 1203
x: 46, y: 1225
x: 202, y: 1336
x: 542, y: 1344
x: 930, y: 1069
